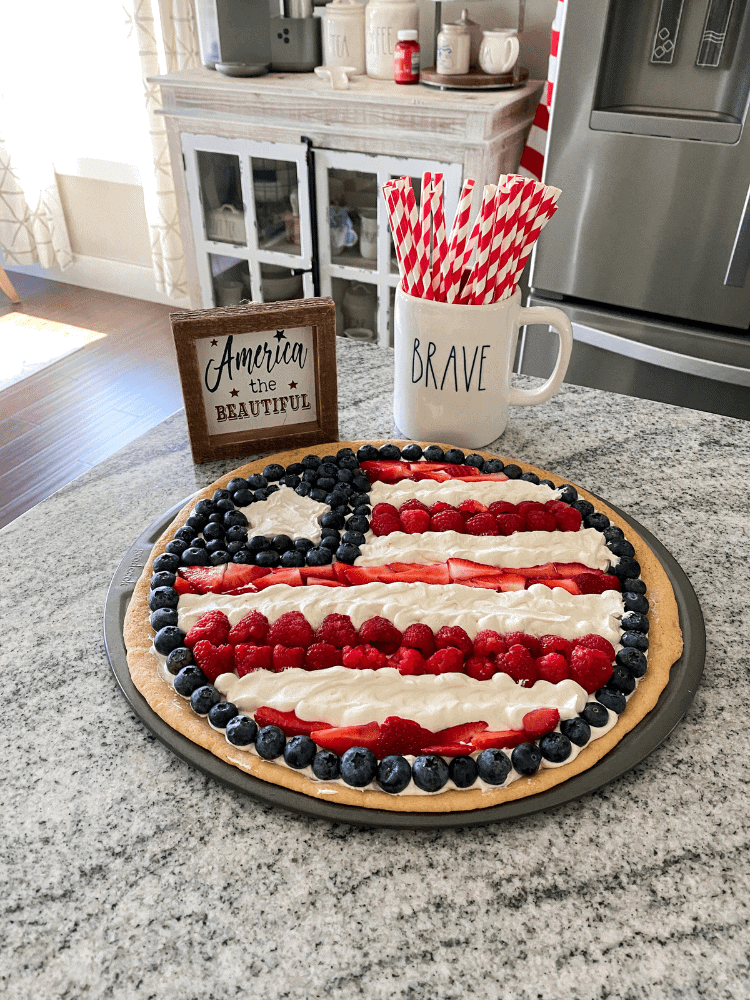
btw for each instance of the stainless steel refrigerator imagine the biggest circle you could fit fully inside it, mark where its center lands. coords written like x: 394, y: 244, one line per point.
x: 650, y: 247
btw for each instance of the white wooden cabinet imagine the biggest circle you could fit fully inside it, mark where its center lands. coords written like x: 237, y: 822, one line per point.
x: 260, y: 162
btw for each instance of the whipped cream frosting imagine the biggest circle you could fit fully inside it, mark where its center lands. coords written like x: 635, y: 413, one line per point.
x: 455, y: 491
x: 522, y: 549
x: 537, y: 610
x: 288, y: 513
x: 345, y: 697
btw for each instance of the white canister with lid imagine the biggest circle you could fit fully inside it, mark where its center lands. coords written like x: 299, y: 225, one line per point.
x: 383, y: 21
x: 453, y: 50
x: 344, y: 34
x: 475, y: 33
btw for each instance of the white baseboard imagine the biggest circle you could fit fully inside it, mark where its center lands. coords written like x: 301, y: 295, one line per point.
x: 118, y: 277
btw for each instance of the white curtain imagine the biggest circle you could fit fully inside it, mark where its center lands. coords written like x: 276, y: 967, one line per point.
x: 166, y: 37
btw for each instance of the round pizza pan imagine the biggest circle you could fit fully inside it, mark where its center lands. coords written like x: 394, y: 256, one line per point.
x: 635, y: 746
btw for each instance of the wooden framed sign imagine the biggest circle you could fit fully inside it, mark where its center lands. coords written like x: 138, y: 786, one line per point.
x: 259, y: 377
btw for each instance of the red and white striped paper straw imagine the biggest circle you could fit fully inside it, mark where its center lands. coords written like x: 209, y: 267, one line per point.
x: 505, y: 262
x: 425, y: 233
x: 478, y: 278
x: 457, y: 242
x: 546, y: 210
x: 439, y: 238
x: 501, y: 204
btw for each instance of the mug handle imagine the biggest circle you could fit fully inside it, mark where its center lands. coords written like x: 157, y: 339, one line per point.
x: 515, y: 46
x: 558, y: 320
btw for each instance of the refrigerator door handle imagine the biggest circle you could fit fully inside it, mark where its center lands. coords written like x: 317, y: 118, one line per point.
x: 739, y: 259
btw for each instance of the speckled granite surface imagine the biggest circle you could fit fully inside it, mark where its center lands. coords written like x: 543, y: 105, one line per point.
x: 128, y: 874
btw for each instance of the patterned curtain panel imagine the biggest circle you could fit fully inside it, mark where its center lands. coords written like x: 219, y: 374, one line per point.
x: 166, y: 35
x: 32, y: 224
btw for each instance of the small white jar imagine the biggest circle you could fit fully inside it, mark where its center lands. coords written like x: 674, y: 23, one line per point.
x: 453, y: 50
x: 383, y: 21
x: 344, y: 34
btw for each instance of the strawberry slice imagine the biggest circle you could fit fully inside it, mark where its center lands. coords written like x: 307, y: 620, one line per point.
x: 360, y: 575
x: 537, y: 723
x: 499, y: 739
x: 494, y: 584
x: 213, y: 661
x: 340, y: 571
x: 429, y: 573
x: 539, y: 572
x: 460, y: 569
x: 594, y: 583
x: 402, y: 737
x: 512, y: 582
x: 281, y: 575
x: 317, y: 572
x: 287, y: 721
x: 240, y: 575
x: 183, y: 587
x: 566, y: 570
x: 387, y: 471
x: 448, y: 751
x: 479, y: 478
x: 205, y: 579
x: 340, y: 739
x: 441, y: 476
x: 567, y: 583
x: 464, y: 733
x: 325, y: 582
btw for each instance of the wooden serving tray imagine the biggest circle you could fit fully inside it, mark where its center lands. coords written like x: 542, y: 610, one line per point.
x: 474, y: 80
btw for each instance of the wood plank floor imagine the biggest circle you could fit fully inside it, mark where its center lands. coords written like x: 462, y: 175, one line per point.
x: 70, y: 416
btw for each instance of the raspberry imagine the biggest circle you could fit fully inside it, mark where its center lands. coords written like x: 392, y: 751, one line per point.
x: 540, y: 521
x: 472, y: 507
x: 413, y: 504
x: 508, y: 524
x: 363, y: 656
x: 407, y: 661
x: 503, y: 508
x: 539, y: 722
x: 590, y: 669
x: 440, y: 506
x: 552, y: 668
x: 420, y: 636
x: 551, y: 644
x: 480, y: 668
x: 482, y: 524
x: 383, y: 508
x: 380, y: 633
x: 318, y: 656
x: 287, y: 657
x: 449, y: 659
x: 248, y: 657
x: 519, y: 664
x: 568, y: 520
x: 212, y: 660
x: 214, y: 627
x: 487, y: 643
x: 524, y: 507
x: 384, y: 525
x: 525, y: 640
x: 414, y: 520
x: 337, y: 630
x: 597, y: 643
x: 292, y: 630
x: 447, y: 520
x: 253, y: 627
x: 454, y: 636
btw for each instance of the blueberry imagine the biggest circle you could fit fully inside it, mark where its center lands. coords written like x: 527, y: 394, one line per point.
x: 412, y: 453
x: 188, y: 679
x: 493, y: 466
x: 274, y: 471
x: 223, y: 505
x: 434, y: 454
x: 267, y: 558
x: 176, y: 546
x: 222, y: 494
x: 328, y: 468
x: 164, y: 579
x: 310, y: 477
x: 530, y: 478
x: 621, y: 548
x: 358, y: 523
x: 463, y: 771
x: 621, y: 681
x: 595, y: 714
x: 626, y: 568
x: 326, y: 764
x: 345, y: 476
x: 613, y: 700
x: 236, y: 533
x: 203, y: 699
x: 205, y: 507
x: 235, y: 517
x: 179, y: 658
x: 394, y: 774
x: 282, y: 543
x: 293, y: 558
x: 325, y: 484
x: 634, y: 602
x: 318, y: 556
x: 637, y: 640
x: 243, y: 556
x: 237, y: 484
x: 355, y: 538
x: 455, y: 456
x: 221, y: 713
x: 634, y: 621
x: 214, y: 531
x: 241, y: 731
x: 330, y: 542
x: 512, y: 472
x: 576, y: 730
x: 290, y: 480
x: 634, y: 585
x: 219, y: 557
x: 316, y: 494
x: 361, y: 484
x: 475, y: 460
x: 358, y: 500
x: 168, y: 638
x: 331, y: 460
x: 348, y: 463
x: 347, y: 553
x: 303, y: 545
x: 526, y: 758
x: 585, y: 507
x: 568, y: 493
x: 243, y: 498
x: 367, y: 453
x: 257, y: 543
x: 389, y: 451
x: 613, y: 532
x: 186, y: 533
x: 493, y: 766
x: 310, y: 462
x: 303, y: 490
x: 299, y: 751
x: 195, y: 557
x: 197, y: 522
x: 430, y: 772
x: 358, y: 766
x: 262, y: 494
x: 555, y: 747
x: 167, y: 562
x: 332, y: 520
x: 547, y: 483
x: 256, y: 482
x: 362, y: 510
x: 162, y: 618
x: 633, y: 660
x: 235, y: 546
x: 270, y: 742
x: 344, y: 453
x: 596, y: 521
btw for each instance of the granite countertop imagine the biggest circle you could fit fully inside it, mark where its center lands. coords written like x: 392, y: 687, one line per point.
x: 129, y: 874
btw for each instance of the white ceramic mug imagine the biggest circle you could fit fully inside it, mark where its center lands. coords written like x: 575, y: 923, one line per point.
x: 453, y: 367
x: 499, y: 50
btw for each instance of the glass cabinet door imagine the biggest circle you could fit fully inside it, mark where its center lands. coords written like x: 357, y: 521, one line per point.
x: 251, y: 220
x: 357, y: 262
